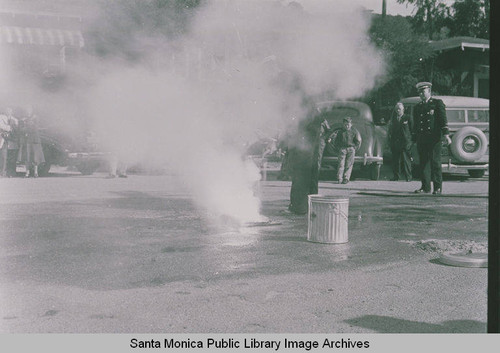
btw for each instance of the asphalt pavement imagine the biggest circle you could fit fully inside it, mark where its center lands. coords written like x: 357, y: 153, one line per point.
x: 86, y: 254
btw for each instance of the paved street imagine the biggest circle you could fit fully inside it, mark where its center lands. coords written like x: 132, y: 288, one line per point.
x: 85, y: 254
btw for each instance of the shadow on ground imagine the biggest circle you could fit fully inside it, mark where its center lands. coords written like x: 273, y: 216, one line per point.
x: 386, y: 324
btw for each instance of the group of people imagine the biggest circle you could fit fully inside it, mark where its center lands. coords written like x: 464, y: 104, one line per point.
x: 428, y: 128
x: 20, y: 143
x: 305, y: 154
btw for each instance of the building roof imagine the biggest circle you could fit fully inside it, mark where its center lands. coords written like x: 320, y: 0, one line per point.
x: 460, y: 42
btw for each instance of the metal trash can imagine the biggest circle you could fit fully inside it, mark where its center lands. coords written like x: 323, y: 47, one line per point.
x: 327, y: 219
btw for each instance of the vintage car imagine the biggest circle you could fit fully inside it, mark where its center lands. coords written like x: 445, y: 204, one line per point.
x: 59, y: 149
x: 468, y: 121
x: 370, y: 155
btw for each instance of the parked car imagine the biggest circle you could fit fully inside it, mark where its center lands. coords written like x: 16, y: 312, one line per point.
x: 370, y: 154
x: 468, y: 121
x: 74, y: 151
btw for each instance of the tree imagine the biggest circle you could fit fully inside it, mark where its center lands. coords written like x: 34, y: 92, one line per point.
x: 471, y: 18
x: 405, y: 53
x: 428, y: 12
x: 464, y: 18
x: 442, y: 22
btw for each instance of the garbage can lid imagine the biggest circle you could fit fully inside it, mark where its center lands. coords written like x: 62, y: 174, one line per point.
x: 318, y: 197
x: 465, y: 259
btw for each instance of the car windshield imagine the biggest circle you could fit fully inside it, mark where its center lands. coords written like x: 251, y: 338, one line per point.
x: 338, y: 113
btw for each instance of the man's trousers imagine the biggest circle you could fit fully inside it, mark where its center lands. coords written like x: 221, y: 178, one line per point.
x: 429, y: 153
x: 345, y: 163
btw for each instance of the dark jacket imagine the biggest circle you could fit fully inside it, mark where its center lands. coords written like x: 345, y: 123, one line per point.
x: 343, y: 138
x: 430, y: 121
x: 399, y: 132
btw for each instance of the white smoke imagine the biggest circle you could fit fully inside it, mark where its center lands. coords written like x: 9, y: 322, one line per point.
x: 164, y: 119
x: 197, y: 110
x: 193, y: 104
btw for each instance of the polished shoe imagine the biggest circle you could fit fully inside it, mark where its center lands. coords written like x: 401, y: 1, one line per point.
x: 408, y: 180
x: 394, y: 179
x: 437, y: 191
x: 345, y: 181
x: 422, y: 191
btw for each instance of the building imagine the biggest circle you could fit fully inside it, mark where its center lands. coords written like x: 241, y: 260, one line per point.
x: 40, y: 46
x: 465, y: 64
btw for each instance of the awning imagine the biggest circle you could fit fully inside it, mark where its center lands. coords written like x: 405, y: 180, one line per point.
x: 460, y: 42
x: 41, y: 36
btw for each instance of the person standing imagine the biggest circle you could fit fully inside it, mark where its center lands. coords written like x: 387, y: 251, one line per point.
x: 12, y: 143
x: 117, y: 168
x: 305, y: 153
x: 347, y: 141
x: 5, y: 130
x: 30, y: 144
x: 285, y: 145
x: 321, y: 131
x: 399, y: 137
x: 431, y: 130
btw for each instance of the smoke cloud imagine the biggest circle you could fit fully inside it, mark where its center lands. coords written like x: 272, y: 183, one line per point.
x: 193, y: 100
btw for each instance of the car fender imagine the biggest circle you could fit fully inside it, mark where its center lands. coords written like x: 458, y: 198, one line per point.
x: 54, y: 152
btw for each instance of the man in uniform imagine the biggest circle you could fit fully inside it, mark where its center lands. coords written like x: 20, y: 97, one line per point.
x: 431, y: 129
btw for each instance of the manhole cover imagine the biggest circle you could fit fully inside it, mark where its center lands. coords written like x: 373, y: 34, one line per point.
x: 465, y: 259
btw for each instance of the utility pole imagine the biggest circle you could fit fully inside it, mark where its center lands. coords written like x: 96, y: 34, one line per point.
x: 384, y: 8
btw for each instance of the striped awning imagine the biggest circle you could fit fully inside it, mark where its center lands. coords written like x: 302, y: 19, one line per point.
x: 41, y: 36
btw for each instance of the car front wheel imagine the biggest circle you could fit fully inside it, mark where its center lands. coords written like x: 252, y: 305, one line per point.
x: 43, y: 169
x: 87, y: 168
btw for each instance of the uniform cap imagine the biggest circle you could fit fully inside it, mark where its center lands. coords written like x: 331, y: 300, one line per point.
x: 422, y: 85
x: 348, y: 119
